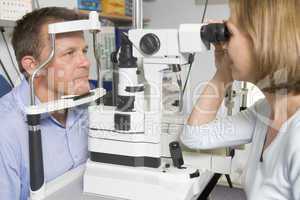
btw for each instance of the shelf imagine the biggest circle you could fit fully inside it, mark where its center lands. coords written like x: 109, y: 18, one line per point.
x: 7, y: 23
x: 114, y: 18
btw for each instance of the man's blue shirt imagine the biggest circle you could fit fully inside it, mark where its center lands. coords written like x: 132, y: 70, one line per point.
x: 64, y: 148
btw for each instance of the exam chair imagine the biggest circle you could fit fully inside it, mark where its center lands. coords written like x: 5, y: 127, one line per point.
x: 5, y: 87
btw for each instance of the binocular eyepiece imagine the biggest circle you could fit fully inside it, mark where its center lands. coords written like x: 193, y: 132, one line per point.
x: 214, y: 33
x: 189, y: 39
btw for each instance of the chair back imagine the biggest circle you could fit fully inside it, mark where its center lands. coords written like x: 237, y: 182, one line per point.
x: 4, y: 86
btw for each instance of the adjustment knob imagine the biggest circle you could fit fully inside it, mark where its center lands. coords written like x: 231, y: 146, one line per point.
x: 114, y: 57
x: 150, y: 44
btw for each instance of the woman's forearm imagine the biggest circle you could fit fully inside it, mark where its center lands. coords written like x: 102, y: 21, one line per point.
x: 209, y: 102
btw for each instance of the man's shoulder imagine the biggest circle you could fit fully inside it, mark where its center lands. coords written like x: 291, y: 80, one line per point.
x: 12, y: 119
x: 15, y: 100
x: 7, y: 103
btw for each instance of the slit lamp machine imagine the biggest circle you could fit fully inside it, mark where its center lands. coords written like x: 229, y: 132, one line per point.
x: 130, y: 155
x: 126, y: 142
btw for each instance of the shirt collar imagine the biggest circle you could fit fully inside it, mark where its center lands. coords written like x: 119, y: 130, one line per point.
x: 22, y: 96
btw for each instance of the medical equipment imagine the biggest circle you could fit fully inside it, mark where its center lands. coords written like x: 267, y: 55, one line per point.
x: 38, y: 189
x: 126, y: 142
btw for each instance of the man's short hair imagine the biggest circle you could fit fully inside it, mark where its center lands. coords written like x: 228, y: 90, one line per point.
x: 26, y: 38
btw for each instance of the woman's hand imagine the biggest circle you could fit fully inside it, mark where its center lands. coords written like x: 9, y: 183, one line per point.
x: 213, y: 94
x: 223, y: 64
x: 222, y: 61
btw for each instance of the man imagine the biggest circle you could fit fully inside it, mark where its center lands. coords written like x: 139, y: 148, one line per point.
x: 64, y: 133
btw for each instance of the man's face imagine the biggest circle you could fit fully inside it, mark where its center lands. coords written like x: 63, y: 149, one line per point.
x: 68, y: 72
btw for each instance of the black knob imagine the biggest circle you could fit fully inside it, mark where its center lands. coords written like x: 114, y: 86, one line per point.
x: 150, y: 44
x: 114, y: 57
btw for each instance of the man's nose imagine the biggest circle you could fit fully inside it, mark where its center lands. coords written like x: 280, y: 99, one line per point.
x: 84, y: 60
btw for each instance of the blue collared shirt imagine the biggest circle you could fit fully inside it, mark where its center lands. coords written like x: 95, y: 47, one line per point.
x: 64, y: 148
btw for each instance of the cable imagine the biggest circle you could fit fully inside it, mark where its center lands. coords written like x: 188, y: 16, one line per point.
x: 192, y: 56
x: 204, y: 11
x: 179, y: 82
x: 37, y: 4
x: 9, y: 53
x: 6, y: 73
x: 191, y: 61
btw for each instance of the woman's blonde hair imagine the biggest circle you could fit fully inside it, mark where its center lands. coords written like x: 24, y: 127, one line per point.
x: 274, y: 28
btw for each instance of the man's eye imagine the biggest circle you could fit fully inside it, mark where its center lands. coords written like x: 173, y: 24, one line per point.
x: 85, y: 51
x: 70, y: 53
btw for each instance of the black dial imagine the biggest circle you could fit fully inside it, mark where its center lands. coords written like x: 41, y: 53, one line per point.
x: 150, y: 44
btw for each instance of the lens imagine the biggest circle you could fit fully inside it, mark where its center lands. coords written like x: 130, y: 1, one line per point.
x: 150, y: 44
x: 213, y: 33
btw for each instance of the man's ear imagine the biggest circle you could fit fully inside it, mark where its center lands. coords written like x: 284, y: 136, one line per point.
x: 29, y: 63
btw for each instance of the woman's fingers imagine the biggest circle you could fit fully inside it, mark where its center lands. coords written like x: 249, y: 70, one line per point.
x: 211, y: 21
x: 220, y: 46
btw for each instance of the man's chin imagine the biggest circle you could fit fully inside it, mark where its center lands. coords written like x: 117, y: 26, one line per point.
x: 80, y: 88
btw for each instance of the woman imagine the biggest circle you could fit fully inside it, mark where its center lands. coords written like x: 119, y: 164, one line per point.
x: 264, y: 49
